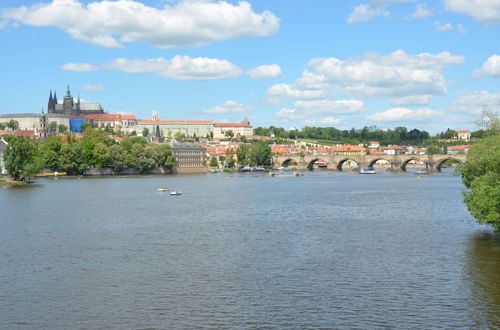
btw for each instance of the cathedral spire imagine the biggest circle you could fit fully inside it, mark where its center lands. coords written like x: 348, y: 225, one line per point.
x: 50, y: 104
x: 55, y: 98
x: 68, y: 93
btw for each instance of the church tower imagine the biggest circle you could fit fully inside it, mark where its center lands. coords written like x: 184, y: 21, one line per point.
x: 68, y: 103
x: 154, y: 116
x: 51, y: 108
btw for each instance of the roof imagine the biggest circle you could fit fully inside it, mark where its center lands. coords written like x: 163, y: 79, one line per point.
x: 188, y: 122
x: 25, y: 133
x: 110, y: 116
x: 83, y: 107
x: 459, y: 147
x: 231, y: 125
x: 463, y: 131
x: 347, y: 148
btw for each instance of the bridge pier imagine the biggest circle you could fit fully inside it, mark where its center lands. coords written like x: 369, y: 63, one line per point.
x: 430, y: 167
x: 396, y: 166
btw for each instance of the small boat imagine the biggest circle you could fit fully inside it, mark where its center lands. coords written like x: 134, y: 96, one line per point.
x: 367, y: 170
x: 175, y: 193
x: 212, y: 170
x: 162, y: 189
x: 246, y: 169
x: 258, y: 169
x: 421, y: 172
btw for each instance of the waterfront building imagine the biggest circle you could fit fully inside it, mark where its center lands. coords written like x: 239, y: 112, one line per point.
x: 69, y: 108
x: 190, y: 158
x: 349, y: 150
x: 3, y: 146
x: 458, y: 150
x: 394, y: 150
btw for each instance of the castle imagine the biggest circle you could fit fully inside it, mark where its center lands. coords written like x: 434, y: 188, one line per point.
x: 70, y: 108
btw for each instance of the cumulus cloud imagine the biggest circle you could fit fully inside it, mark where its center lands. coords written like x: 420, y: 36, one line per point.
x: 443, y: 27
x: 421, y: 11
x: 289, y: 114
x: 178, y: 68
x: 373, y: 75
x: 411, y: 100
x: 92, y: 88
x: 228, y: 107
x: 312, y: 107
x: 113, y: 23
x: 472, y: 102
x: 80, y: 67
x: 483, y: 11
x: 366, y: 12
x: 399, y: 114
x: 490, y: 68
x: 265, y: 71
x: 323, y: 121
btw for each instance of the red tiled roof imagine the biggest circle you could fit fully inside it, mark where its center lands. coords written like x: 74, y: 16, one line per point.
x: 175, y: 122
x: 231, y: 125
x: 25, y: 133
x: 459, y: 147
x: 347, y: 148
x: 110, y: 116
x: 463, y: 131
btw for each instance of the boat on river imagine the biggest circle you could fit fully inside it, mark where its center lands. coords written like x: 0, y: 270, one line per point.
x: 367, y: 170
x: 284, y: 175
x: 421, y: 172
x: 162, y: 189
x: 175, y: 193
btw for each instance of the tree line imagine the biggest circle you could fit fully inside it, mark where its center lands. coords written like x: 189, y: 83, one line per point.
x: 25, y: 157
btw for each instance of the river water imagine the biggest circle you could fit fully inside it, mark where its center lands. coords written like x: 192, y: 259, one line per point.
x: 324, y: 250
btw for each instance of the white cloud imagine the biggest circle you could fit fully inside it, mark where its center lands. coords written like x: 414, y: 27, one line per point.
x: 285, y: 92
x: 289, y: 114
x: 265, y: 71
x: 80, y: 67
x: 490, y: 68
x: 178, y: 68
x: 323, y: 121
x: 228, y: 107
x: 472, y: 102
x: 411, y: 100
x: 113, y: 23
x: 312, y: 107
x: 421, y: 11
x: 366, y: 12
x: 400, y: 114
x: 483, y: 11
x: 92, y: 88
x: 461, y: 29
x: 443, y: 27
x: 398, y: 75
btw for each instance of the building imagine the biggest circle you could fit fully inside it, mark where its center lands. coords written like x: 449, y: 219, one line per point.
x: 190, y: 158
x: 239, y: 129
x: 374, y: 145
x: 394, y: 150
x: 69, y: 108
x: 37, y: 122
x: 463, y: 134
x: 458, y: 150
x: 114, y: 121
x: 173, y: 128
x: 3, y: 146
x: 349, y: 150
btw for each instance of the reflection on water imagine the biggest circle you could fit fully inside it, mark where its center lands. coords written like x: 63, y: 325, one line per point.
x: 483, y: 270
x: 324, y: 250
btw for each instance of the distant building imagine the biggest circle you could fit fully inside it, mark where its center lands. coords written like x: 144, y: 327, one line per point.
x: 190, y: 158
x: 349, y: 150
x: 374, y: 145
x: 171, y: 128
x: 70, y: 108
x: 3, y: 146
x: 36, y: 122
x: 394, y: 150
x: 463, y: 134
x: 239, y: 129
x: 458, y: 150
x: 112, y: 120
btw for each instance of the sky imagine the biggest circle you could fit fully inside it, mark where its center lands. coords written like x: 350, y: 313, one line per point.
x: 422, y: 64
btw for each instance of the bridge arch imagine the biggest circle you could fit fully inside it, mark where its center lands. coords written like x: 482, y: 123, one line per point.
x: 440, y: 162
x: 289, y: 161
x: 372, y: 163
x: 343, y: 160
x: 406, y: 161
x: 310, y: 164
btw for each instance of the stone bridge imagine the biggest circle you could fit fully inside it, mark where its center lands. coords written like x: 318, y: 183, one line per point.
x: 433, y: 163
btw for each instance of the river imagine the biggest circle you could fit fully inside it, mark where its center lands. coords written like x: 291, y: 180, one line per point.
x: 324, y: 250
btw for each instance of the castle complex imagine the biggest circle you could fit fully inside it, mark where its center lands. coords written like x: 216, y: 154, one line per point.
x: 70, y: 108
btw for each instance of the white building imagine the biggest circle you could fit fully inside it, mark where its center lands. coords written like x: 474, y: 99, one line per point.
x: 463, y: 134
x: 3, y: 146
x: 239, y: 129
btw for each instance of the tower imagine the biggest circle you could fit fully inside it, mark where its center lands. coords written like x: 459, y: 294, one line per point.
x: 51, y: 104
x: 154, y: 116
x: 68, y: 103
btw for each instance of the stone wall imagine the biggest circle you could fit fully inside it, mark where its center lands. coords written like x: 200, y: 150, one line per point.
x: 126, y: 171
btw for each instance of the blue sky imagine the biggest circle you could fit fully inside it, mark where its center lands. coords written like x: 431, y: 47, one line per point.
x: 424, y: 64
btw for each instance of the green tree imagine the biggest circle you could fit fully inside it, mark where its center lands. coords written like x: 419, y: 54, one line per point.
x: 243, y: 154
x: 72, y: 158
x: 116, y: 158
x: 145, y: 131
x: 260, y: 154
x: 62, y: 129
x: 481, y: 174
x: 213, y: 162
x: 19, y: 158
x: 2, y: 126
x: 434, y: 149
x: 86, y: 125
x: 229, y: 134
x: 12, y: 124
x: 53, y: 127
